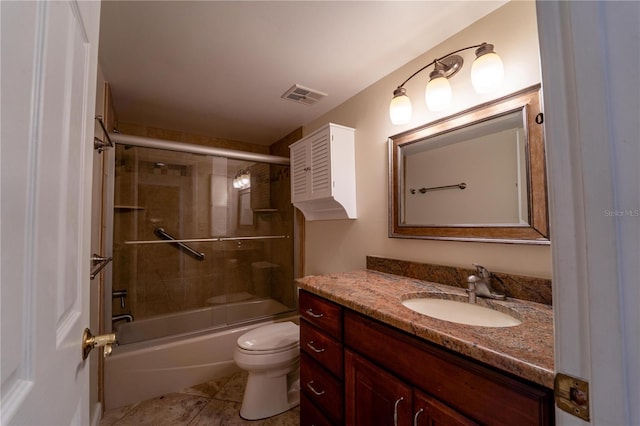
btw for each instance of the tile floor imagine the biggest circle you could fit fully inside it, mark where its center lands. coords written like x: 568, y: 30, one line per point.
x: 213, y: 403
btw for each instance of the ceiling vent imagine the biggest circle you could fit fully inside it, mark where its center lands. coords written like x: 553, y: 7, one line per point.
x: 303, y: 95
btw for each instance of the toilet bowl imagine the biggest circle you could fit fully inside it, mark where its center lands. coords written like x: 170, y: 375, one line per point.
x: 271, y: 356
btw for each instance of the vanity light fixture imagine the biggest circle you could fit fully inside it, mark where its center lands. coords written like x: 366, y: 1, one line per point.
x: 486, y: 73
x: 242, y: 179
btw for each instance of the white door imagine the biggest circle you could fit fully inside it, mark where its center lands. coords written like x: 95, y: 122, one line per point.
x: 49, y: 62
x: 590, y: 58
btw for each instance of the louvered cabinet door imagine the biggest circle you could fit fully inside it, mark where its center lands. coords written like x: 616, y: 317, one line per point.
x: 300, y: 176
x: 311, y: 167
x: 320, y: 146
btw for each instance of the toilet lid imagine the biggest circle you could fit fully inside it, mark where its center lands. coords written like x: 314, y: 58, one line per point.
x: 281, y: 335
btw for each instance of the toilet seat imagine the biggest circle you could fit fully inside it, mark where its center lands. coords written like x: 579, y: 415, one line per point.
x: 269, y: 339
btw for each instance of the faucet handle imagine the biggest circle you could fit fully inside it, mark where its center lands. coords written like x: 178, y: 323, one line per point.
x: 482, y: 271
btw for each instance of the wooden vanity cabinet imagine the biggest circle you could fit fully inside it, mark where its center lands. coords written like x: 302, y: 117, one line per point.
x: 451, y: 389
x: 321, y: 361
x: 355, y: 370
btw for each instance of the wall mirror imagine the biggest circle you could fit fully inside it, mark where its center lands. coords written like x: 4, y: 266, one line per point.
x: 478, y: 175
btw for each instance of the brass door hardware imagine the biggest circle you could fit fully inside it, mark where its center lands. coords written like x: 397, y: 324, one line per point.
x: 89, y: 341
x: 572, y: 395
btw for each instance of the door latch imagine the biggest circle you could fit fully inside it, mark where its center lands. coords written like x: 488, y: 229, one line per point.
x: 572, y: 395
x: 89, y: 341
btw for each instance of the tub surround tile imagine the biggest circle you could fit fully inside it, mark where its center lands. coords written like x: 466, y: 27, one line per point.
x: 525, y: 350
x: 516, y: 286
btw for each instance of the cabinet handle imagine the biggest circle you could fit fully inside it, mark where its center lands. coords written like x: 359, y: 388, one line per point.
x: 309, y: 385
x: 313, y: 348
x: 310, y: 312
x: 415, y: 417
x: 395, y: 411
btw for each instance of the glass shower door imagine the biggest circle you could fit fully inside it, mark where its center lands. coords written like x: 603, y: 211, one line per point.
x: 199, y: 242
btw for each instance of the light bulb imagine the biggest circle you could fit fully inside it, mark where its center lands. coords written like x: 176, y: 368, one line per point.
x: 245, y: 179
x: 487, y: 70
x: 236, y: 183
x: 400, y: 109
x: 438, y: 93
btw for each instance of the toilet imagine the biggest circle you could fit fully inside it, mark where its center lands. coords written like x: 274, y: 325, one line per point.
x: 271, y: 356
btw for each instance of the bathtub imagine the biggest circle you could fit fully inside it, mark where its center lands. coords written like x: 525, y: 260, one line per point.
x: 150, y: 368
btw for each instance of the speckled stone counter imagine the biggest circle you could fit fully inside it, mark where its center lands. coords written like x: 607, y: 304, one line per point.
x: 525, y: 350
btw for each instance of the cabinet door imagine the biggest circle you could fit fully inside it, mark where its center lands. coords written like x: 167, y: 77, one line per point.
x: 320, y: 172
x: 373, y: 396
x: 311, y: 167
x: 299, y: 172
x: 431, y: 412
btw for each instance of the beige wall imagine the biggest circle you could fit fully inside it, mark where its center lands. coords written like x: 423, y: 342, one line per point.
x: 332, y: 246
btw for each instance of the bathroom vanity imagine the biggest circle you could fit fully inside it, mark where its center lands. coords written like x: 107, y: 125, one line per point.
x: 367, y: 359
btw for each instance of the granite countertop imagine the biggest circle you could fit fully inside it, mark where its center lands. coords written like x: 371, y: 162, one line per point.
x: 525, y: 350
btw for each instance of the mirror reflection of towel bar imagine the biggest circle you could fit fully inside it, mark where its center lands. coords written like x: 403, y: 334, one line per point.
x: 423, y: 190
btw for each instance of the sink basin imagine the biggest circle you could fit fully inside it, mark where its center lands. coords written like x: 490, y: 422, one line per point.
x: 461, y: 312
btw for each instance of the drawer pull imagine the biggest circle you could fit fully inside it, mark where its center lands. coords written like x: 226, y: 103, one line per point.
x: 313, y: 348
x: 309, y: 385
x: 395, y: 411
x: 415, y: 417
x: 310, y: 312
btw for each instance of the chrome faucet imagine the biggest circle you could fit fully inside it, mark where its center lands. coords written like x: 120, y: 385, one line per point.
x: 126, y: 317
x: 121, y: 294
x: 479, y: 285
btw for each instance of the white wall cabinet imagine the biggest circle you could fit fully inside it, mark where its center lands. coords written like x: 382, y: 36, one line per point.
x: 323, y: 174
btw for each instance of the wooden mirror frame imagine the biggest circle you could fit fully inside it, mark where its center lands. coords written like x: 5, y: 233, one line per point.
x: 537, y: 231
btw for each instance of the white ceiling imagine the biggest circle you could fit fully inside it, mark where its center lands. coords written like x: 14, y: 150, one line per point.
x: 219, y: 68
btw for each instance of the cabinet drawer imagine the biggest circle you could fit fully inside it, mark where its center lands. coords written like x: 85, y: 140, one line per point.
x: 321, y: 313
x: 321, y: 388
x: 310, y: 415
x: 322, y: 348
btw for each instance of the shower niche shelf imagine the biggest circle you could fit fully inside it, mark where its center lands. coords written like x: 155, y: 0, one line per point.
x: 127, y: 208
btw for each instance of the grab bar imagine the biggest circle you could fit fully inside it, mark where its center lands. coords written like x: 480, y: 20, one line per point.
x: 98, y: 143
x: 161, y: 233
x: 99, y: 262
x: 211, y: 240
x: 437, y: 188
